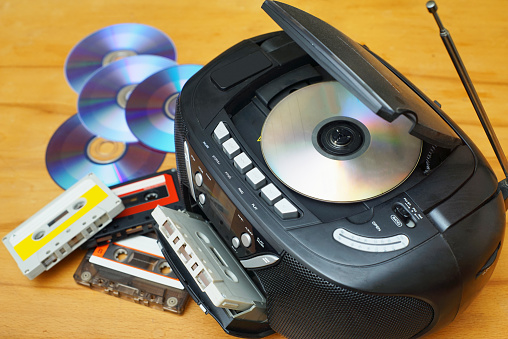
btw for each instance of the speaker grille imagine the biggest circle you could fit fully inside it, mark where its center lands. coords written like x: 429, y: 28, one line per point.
x: 180, y: 135
x: 302, y: 305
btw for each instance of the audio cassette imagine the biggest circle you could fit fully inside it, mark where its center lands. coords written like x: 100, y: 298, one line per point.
x: 139, y: 196
x: 133, y: 269
x: 209, y: 263
x: 60, y: 227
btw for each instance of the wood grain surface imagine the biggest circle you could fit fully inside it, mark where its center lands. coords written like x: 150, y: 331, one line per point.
x: 35, y: 100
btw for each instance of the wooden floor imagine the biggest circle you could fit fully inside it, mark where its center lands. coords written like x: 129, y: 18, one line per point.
x: 35, y: 100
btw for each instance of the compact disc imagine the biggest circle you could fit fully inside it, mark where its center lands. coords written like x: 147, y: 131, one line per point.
x: 74, y: 152
x: 101, y: 103
x: 150, y: 110
x: 113, y: 43
x: 324, y: 143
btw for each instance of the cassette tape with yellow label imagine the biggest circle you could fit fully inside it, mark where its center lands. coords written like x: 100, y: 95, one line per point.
x: 63, y: 225
x: 133, y: 269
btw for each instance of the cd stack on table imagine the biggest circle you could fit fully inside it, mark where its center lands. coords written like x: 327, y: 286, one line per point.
x: 128, y: 82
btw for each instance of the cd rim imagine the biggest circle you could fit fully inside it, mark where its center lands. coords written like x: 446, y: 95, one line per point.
x: 87, y: 55
x: 145, y: 113
x: 98, y: 107
x: 349, y: 188
x: 67, y: 160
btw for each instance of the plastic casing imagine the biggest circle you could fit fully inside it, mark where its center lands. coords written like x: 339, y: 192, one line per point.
x: 453, y: 249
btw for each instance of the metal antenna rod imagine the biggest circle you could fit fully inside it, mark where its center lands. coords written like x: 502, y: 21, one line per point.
x: 468, y: 84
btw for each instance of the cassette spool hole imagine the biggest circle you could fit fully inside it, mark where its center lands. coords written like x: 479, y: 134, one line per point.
x: 164, y: 268
x: 79, y: 204
x: 151, y: 196
x: 38, y: 235
x: 120, y: 254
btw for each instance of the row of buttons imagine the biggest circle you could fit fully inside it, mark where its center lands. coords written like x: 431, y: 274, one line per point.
x: 246, y: 239
x: 256, y: 179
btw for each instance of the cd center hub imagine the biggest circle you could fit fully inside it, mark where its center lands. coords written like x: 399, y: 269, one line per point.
x: 341, y: 138
x: 170, y: 106
x: 117, y: 55
x: 103, y: 151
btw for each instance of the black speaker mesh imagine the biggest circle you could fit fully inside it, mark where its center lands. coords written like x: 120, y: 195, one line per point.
x: 302, y: 305
x: 180, y: 134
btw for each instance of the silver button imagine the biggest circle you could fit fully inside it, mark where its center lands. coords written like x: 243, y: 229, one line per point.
x: 236, y: 242
x: 255, y: 178
x: 198, y: 178
x: 231, y: 148
x: 202, y: 199
x: 285, y: 209
x: 259, y: 261
x: 246, y: 239
x: 270, y: 194
x: 220, y: 133
x: 242, y: 163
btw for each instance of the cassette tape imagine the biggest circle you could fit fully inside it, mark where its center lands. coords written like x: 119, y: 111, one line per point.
x: 208, y: 261
x: 133, y: 269
x: 63, y: 225
x: 140, y: 197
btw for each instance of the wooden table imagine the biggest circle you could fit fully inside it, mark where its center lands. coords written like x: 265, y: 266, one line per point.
x: 35, y: 99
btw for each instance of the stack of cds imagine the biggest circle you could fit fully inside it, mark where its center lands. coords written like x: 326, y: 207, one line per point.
x: 128, y: 82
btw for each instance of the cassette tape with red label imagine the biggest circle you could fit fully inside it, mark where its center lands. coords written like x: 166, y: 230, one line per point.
x: 140, y: 197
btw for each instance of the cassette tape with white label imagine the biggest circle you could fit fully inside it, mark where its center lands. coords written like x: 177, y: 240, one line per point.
x: 139, y: 196
x: 205, y: 261
x: 63, y: 225
x: 133, y: 269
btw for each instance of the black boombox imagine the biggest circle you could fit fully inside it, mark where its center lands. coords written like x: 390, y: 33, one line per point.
x: 326, y: 196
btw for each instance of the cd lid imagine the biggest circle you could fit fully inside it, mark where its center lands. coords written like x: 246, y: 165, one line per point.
x: 363, y: 74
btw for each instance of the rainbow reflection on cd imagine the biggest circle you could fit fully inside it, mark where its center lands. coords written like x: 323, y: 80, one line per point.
x: 73, y: 152
x: 113, y: 43
x: 101, y: 103
x: 150, y: 109
x: 292, y: 145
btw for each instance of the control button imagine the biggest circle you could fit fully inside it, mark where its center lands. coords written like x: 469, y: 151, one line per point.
x: 365, y: 244
x: 236, y: 242
x: 255, y: 178
x: 271, y: 194
x: 285, y: 209
x: 220, y: 133
x: 202, y: 199
x: 242, y: 163
x: 198, y: 178
x: 231, y: 148
x: 259, y: 261
x: 246, y: 239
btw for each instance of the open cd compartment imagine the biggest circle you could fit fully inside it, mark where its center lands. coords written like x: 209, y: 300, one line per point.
x: 336, y: 249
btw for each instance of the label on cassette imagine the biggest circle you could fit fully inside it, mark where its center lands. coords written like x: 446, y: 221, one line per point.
x: 215, y: 270
x: 133, y: 269
x: 51, y: 234
x: 140, y: 197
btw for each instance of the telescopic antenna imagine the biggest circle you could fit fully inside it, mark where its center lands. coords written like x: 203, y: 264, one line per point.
x: 471, y: 92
